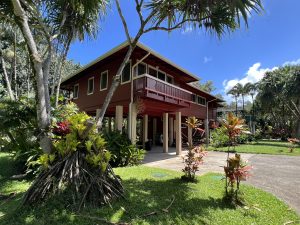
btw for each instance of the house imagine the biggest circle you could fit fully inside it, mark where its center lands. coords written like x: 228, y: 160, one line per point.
x: 153, y: 100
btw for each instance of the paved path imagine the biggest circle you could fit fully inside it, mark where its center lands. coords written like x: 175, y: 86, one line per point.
x: 277, y: 174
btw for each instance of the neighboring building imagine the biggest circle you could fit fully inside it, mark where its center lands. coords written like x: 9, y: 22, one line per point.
x: 155, y: 95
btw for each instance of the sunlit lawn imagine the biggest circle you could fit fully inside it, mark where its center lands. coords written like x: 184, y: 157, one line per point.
x: 263, y: 147
x: 148, y: 190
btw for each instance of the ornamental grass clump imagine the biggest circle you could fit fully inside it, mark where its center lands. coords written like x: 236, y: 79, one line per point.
x: 79, y: 163
x: 195, y: 155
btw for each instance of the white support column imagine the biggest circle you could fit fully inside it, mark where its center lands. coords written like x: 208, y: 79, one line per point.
x: 165, y: 133
x: 171, y: 131
x: 178, y: 133
x: 154, y: 130
x: 119, y: 117
x: 145, y: 129
x: 132, y: 123
x: 190, y: 135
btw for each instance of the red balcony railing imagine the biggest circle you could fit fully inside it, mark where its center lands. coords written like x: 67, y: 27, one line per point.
x: 151, y: 87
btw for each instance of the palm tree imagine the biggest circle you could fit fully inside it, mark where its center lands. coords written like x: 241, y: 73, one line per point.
x: 236, y: 92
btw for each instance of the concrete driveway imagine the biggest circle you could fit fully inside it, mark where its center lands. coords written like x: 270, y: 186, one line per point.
x: 277, y: 174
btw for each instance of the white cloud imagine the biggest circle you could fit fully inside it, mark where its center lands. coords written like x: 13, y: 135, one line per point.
x: 207, y: 59
x: 254, y: 74
x: 295, y: 62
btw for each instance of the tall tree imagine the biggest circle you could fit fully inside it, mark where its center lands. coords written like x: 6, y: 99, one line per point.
x: 235, y: 92
x: 49, y: 22
x: 215, y: 16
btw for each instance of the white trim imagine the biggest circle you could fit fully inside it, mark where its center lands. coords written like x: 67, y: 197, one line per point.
x: 77, y: 91
x: 160, y: 71
x: 126, y: 82
x: 136, y: 68
x: 154, y: 68
x: 168, y: 75
x: 172, y: 85
x: 200, y: 103
x: 123, y: 45
x: 87, y: 91
x: 104, y: 72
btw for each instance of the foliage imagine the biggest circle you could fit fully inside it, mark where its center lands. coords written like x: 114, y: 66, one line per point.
x: 192, y: 161
x: 18, y: 131
x: 235, y: 172
x: 294, y: 142
x: 148, y: 193
x: 195, y: 155
x: 79, y: 164
x: 233, y: 127
x: 124, y: 153
x: 219, y: 137
x: 270, y: 147
x: 277, y: 103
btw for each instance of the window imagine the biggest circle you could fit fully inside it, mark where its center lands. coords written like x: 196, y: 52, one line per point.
x: 103, y: 80
x: 90, y: 89
x: 201, y: 101
x: 141, y: 69
x: 76, y: 91
x: 194, y: 98
x: 161, y: 75
x: 152, y: 72
x: 126, y: 74
x: 170, y: 79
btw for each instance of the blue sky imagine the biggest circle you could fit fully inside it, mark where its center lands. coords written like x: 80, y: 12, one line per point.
x: 271, y: 40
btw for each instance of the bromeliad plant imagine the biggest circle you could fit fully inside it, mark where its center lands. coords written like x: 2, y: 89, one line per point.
x: 195, y: 155
x: 80, y: 162
x: 236, y: 171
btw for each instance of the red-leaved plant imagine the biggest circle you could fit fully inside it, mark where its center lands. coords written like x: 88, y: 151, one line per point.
x: 61, y: 128
x: 293, y: 144
x: 236, y: 171
x: 195, y: 155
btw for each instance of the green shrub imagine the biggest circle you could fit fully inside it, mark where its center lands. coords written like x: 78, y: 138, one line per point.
x: 18, y: 130
x: 124, y: 153
x: 219, y: 138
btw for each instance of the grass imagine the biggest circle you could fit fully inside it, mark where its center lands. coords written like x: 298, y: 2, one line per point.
x: 148, y: 190
x: 263, y: 147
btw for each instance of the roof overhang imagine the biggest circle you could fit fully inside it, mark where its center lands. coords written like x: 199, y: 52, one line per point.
x: 124, y: 45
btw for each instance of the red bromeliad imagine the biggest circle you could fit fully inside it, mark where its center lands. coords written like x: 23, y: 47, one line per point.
x: 61, y: 128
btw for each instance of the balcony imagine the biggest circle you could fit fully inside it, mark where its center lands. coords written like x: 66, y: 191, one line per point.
x: 147, y: 86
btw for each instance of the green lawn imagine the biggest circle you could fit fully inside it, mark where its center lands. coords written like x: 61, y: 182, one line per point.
x: 149, y: 190
x: 263, y: 147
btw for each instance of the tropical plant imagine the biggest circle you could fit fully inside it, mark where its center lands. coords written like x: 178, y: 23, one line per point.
x: 233, y: 127
x: 294, y: 142
x: 277, y: 102
x: 236, y: 92
x: 236, y: 171
x: 18, y: 128
x: 79, y: 163
x: 219, y: 138
x: 195, y: 154
x: 124, y: 153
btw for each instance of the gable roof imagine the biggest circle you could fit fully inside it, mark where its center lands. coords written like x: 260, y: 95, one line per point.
x: 121, y: 46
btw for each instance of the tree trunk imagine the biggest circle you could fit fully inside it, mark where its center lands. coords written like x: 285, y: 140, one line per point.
x: 113, y: 87
x: 64, y: 56
x: 15, y: 65
x: 8, y: 86
x: 298, y: 122
x: 37, y: 66
x: 236, y: 106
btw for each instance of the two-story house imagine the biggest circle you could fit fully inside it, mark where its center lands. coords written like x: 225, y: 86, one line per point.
x: 153, y: 100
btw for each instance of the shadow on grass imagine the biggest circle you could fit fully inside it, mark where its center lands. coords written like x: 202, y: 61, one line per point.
x: 273, y: 144
x: 190, y: 206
